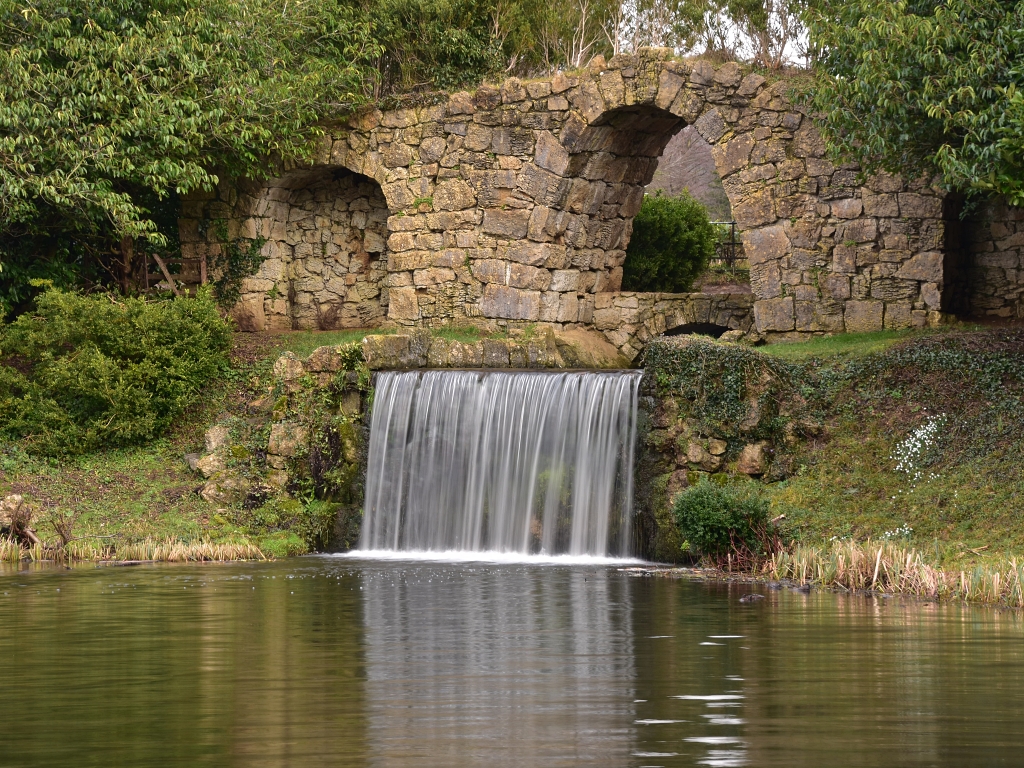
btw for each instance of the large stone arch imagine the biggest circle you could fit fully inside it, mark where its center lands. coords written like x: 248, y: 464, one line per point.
x: 514, y: 203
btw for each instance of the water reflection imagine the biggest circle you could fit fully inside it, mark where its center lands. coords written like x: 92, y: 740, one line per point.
x: 328, y: 662
x: 498, y: 666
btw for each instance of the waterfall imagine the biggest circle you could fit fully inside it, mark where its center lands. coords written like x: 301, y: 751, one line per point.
x: 497, y: 461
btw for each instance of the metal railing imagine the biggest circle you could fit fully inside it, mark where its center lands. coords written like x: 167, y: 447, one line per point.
x: 725, y: 248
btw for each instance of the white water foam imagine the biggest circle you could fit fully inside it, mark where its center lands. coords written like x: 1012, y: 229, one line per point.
x: 485, y: 556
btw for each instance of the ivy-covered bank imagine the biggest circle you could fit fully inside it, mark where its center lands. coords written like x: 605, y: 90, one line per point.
x: 908, y: 439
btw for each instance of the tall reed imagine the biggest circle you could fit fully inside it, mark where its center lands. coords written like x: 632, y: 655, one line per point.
x: 10, y: 552
x: 887, y: 567
x: 165, y: 550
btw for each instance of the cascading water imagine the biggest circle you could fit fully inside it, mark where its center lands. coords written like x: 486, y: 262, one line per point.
x: 499, y: 461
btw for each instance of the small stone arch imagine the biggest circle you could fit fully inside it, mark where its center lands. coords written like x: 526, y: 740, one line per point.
x: 325, y: 260
x: 698, y: 329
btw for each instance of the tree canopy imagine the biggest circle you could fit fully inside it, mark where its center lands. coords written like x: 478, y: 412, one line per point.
x: 109, y: 107
x: 931, y: 86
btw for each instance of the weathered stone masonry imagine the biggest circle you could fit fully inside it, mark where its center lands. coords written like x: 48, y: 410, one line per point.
x: 515, y: 203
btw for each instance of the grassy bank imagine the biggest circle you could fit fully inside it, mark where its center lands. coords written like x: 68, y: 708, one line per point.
x: 905, y: 444
x: 142, y: 502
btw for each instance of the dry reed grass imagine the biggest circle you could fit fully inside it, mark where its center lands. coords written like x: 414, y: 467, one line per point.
x: 888, y: 567
x: 153, y: 550
x: 10, y: 552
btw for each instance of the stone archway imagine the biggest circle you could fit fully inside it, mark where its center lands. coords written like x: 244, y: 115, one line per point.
x: 515, y: 203
x: 326, y: 243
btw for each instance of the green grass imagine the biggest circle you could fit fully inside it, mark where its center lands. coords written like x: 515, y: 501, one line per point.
x: 302, y: 343
x: 846, y: 345
x: 849, y: 488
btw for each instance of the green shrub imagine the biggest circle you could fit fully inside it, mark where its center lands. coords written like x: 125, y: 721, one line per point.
x: 717, y: 520
x: 86, y: 372
x: 672, y: 242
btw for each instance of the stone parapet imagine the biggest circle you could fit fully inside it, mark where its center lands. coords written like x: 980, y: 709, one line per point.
x: 630, y: 319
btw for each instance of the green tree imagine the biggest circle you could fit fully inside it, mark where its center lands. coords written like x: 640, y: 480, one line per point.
x: 109, y: 108
x: 672, y: 242
x: 929, y: 86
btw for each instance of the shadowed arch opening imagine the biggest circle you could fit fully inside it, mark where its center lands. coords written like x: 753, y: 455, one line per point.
x: 326, y: 230
x: 697, y: 329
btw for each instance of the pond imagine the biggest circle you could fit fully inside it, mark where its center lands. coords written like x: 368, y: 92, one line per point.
x: 334, y: 661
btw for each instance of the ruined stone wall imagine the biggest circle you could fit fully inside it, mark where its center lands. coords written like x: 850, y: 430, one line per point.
x: 515, y: 203
x: 995, y: 262
x: 324, y: 269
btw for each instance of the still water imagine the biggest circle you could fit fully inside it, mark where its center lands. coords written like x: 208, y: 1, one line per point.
x: 329, y: 661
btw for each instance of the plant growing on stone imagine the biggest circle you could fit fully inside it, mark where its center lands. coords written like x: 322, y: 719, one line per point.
x: 672, y: 242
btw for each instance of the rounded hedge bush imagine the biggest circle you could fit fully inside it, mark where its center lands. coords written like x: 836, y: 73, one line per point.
x: 86, y: 372
x: 716, y: 520
x: 672, y: 242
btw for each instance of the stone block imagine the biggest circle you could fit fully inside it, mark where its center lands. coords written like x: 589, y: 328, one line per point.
x: 898, y: 315
x: 287, y: 438
x: 926, y: 267
x: 734, y: 155
x: 326, y: 359
x: 217, y: 438
x: 403, y: 304
x: 669, y: 84
x: 563, y: 280
x: 495, y: 353
x: 499, y: 301
x: 512, y: 224
x: 914, y: 206
x: 550, y: 154
x: 568, y: 308
x: 765, y: 244
x: 288, y: 367
x: 857, y: 231
x: 750, y: 84
x: 490, y: 271
x: 766, y: 280
x: 710, y: 126
x: 848, y: 208
x: 432, y: 276
x: 931, y: 296
x: 884, y: 205
x: 863, y: 316
x: 755, y: 210
x: 454, y: 195
x: 751, y: 460
x: 774, y: 315
x: 525, y: 276
x: 537, y: 254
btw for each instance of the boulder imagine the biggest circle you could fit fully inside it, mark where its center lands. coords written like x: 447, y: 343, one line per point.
x: 210, y: 465
x: 225, y: 488
x: 217, y: 437
x: 752, y: 460
x: 287, y: 438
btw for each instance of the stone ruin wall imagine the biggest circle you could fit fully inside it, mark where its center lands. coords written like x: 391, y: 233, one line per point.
x: 995, y: 268
x: 514, y: 204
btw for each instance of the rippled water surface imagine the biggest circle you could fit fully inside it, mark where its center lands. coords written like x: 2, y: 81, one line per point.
x: 341, y: 662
